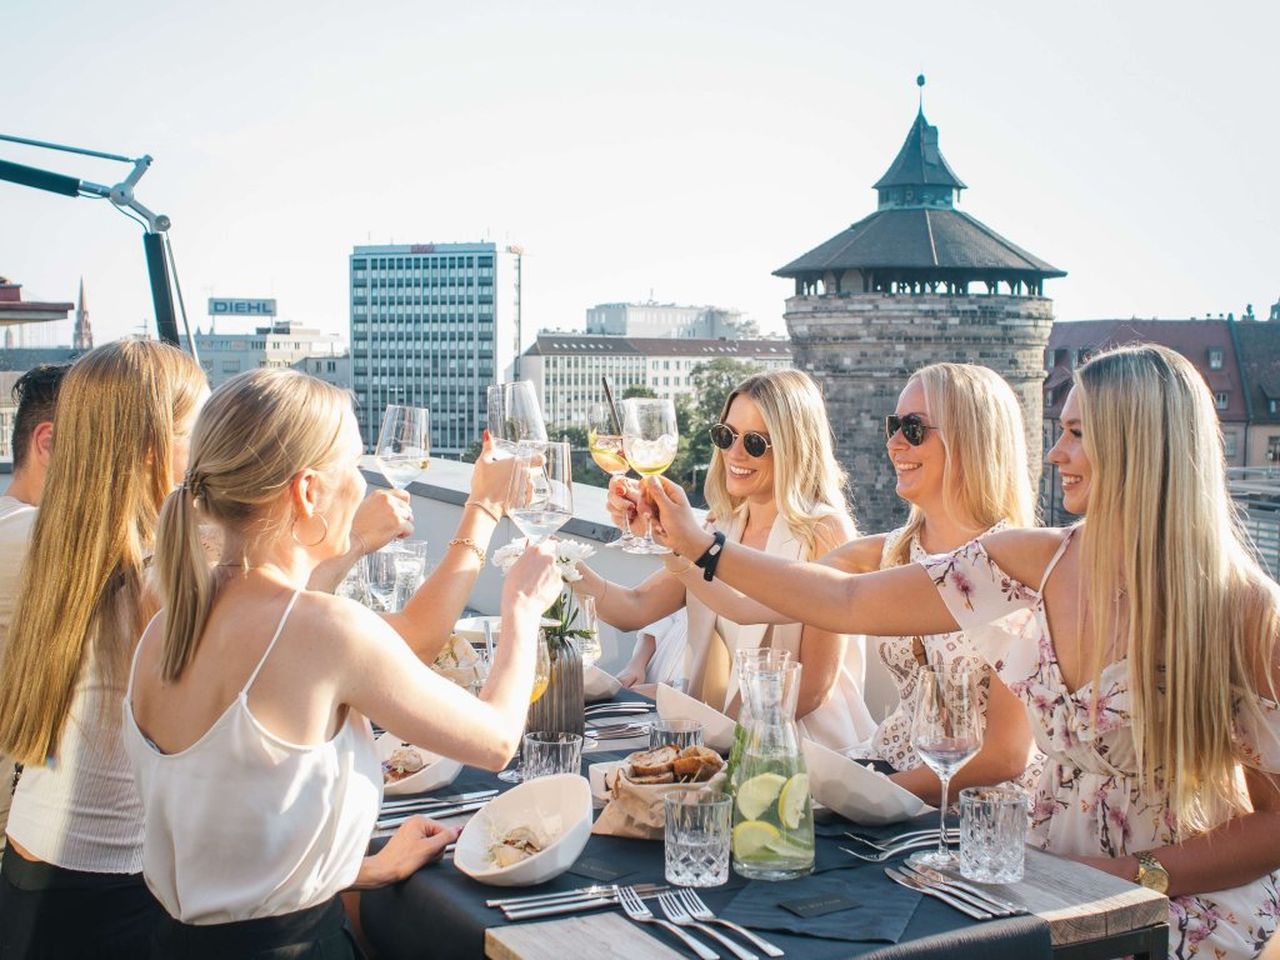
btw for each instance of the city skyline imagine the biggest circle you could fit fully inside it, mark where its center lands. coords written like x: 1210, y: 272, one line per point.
x: 683, y: 154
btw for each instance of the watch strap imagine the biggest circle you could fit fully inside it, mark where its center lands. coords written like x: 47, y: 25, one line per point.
x: 711, y: 556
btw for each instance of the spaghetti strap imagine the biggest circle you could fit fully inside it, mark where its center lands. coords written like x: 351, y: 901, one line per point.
x: 270, y: 646
x: 133, y: 661
x: 1057, y: 555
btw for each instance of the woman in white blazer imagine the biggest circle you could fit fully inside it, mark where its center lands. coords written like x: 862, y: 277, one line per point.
x: 773, y: 484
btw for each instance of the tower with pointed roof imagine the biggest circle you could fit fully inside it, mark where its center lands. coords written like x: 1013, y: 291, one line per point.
x: 82, y: 336
x: 916, y: 282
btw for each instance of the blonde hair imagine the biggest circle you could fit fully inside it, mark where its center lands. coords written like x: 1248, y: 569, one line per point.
x: 1199, y: 617
x: 808, y: 483
x: 985, y: 474
x: 83, y: 580
x: 256, y: 433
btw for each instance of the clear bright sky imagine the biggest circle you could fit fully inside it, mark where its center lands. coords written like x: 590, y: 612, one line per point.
x: 688, y: 149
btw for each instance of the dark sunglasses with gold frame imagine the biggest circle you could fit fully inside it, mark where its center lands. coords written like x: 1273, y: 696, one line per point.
x: 912, y: 427
x: 756, y: 444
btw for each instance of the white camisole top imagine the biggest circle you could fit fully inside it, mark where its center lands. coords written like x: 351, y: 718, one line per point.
x: 243, y: 824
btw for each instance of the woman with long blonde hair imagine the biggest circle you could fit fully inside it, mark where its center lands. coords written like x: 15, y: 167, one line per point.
x: 773, y: 484
x: 245, y: 716
x: 72, y: 883
x: 1150, y: 666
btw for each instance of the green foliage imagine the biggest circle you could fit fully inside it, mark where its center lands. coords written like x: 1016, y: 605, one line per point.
x: 472, y: 453
x: 584, y: 468
x: 638, y: 390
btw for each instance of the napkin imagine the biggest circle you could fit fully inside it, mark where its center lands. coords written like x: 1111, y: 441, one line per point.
x: 598, y: 684
x: 882, y: 912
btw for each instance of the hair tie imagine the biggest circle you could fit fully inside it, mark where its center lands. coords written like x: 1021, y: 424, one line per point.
x: 193, y: 484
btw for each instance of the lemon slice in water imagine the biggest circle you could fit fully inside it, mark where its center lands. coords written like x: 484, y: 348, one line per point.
x: 792, y: 799
x: 755, y: 795
x: 752, y: 837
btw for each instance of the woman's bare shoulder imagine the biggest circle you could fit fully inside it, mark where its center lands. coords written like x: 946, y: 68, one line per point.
x: 861, y: 555
x: 1024, y: 552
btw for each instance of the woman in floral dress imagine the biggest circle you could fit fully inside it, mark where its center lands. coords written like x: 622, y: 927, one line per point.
x: 1149, y: 668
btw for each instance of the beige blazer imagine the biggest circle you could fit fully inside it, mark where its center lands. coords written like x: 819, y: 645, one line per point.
x: 842, y: 723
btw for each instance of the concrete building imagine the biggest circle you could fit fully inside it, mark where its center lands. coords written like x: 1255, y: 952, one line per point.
x: 566, y: 367
x: 282, y: 344
x: 433, y: 325
x: 914, y: 283
x: 667, y: 320
x: 335, y: 370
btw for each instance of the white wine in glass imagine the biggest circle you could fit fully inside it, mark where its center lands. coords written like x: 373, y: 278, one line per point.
x: 514, y: 414
x: 650, y: 439
x: 540, y: 500
x: 541, y: 680
x: 604, y: 442
x: 404, y: 444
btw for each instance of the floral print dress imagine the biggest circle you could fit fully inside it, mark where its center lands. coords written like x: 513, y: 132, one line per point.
x: 1088, y: 801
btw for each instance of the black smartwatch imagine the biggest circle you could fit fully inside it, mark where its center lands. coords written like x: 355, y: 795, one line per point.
x: 710, y: 557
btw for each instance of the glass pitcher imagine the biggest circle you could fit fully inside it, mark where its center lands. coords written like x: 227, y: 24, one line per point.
x: 772, y: 810
x: 743, y: 660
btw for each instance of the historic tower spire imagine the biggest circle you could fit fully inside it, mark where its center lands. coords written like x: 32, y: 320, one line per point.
x: 913, y: 283
x: 82, y: 338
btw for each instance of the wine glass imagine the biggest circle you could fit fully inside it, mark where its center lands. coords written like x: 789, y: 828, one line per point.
x: 650, y: 439
x: 540, y: 500
x: 541, y: 680
x: 404, y: 444
x: 585, y: 620
x: 515, y: 415
x: 947, y: 733
x: 604, y: 441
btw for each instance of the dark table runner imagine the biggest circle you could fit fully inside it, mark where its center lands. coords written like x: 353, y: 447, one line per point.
x: 439, y: 912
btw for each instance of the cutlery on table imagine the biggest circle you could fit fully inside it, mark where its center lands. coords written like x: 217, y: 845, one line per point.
x: 700, y: 911
x: 902, y: 879
x: 443, y: 801
x: 398, y: 817
x: 953, y: 833
x: 893, y: 851
x: 594, y: 890
x: 626, y: 731
x: 674, y: 911
x: 975, y: 895
x: 572, y: 906
x: 637, y: 912
x: 605, y: 708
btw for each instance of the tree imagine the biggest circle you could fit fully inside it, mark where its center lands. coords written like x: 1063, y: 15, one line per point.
x: 638, y: 390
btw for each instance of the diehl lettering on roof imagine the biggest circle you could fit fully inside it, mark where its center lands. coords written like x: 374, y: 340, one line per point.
x: 242, y: 308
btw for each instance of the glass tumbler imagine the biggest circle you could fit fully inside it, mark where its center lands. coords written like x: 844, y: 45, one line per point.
x: 993, y: 834
x: 675, y: 733
x: 696, y: 837
x: 546, y: 754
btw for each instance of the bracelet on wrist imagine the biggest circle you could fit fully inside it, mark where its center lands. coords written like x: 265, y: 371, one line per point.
x: 495, y: 517
x: 688, y: 565
x: 470, y: 545
x: 359, y: 544
x: 711, y: 556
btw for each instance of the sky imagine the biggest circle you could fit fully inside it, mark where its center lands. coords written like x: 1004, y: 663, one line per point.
x: 680, y: 151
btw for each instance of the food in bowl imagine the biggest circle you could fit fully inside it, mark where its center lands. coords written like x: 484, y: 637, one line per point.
x: 670, y: 765
x: 523, y: 841
x: 404, y: 761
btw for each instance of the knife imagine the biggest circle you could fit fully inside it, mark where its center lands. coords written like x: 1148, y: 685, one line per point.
x: 540, y: 899
x: 903, y: 880
x: 398, y: 818
x: 444, y: 800
x: 573, y: 906
x: 975, y: 895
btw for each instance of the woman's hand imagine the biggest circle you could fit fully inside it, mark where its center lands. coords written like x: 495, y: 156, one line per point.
x: 382, y: 516
x: 627, y: 505
x: 419, y: 841
x: 491, y: 479
x: 533, y: 582
x: 629, y: 676
x: 675, y: 524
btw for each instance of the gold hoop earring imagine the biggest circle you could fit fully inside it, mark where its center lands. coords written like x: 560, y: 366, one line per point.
x: 293, y: 532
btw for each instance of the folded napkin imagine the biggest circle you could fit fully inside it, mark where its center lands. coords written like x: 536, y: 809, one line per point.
x: 881, y: 913
x: 599, y: 684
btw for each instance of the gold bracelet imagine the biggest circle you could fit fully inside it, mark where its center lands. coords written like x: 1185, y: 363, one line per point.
x: 677, y: 573
x: 470, y: 545
x: 496, y: 517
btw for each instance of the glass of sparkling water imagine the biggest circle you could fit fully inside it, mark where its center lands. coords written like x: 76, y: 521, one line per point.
x: 409, y: 561
x: 696, y: 841
x: 546, y: 754
x: 993, y: 834
x: 675, y: 733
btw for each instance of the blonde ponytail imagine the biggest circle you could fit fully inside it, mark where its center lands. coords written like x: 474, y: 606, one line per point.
x: 186, y: 581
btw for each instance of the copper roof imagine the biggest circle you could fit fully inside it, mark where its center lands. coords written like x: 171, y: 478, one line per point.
x: 920, y: 161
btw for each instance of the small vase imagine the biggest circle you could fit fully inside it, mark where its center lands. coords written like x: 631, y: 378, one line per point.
x: 560, y: 709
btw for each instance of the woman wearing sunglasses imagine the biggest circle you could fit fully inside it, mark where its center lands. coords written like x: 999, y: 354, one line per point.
x: 773, y: 484
x: 1149, y: 667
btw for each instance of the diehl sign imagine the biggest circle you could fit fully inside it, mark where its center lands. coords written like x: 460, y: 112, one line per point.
x: 242, y: 308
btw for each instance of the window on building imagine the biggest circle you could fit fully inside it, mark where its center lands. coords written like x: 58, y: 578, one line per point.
x: 1215, y: 358
x: 1082, y: 356
x: 1229, y: 445
x: 1272, y: 406
x: 1220, y: 400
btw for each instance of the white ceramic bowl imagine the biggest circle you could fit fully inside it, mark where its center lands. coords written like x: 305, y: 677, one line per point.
x: 439, y: 771
x: 853, y: 791
x: 717, y: 729
x: 565, y: 795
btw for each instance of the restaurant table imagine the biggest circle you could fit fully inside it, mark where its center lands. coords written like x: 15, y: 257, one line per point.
x: 1076, y: 912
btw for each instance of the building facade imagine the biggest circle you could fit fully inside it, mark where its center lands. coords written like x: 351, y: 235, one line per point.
x: 283, y: 344
x: 566, y: 368
x: 651, y: 319
x: 914, y: 283
x: 433, y: 325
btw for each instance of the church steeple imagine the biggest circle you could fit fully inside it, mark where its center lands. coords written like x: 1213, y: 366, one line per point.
x: 919, y: 176
x: 82, y: 338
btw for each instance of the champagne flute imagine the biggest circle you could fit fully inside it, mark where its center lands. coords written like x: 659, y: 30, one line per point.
x: 515, y: 415
x: 605, y: 444
x: 650, y: 439
x: 947, y: 733
x: 541, y: 680
x: 540, y: 500
x: 404, y: 444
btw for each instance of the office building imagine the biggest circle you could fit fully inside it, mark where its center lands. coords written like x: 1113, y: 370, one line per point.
x: 282, y: 344
x: 433, y: 325
x: 667, y: 320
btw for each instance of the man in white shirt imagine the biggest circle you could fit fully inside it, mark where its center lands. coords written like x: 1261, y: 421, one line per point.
x: 36, y: 394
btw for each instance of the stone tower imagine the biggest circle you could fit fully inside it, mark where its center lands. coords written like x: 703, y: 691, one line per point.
x: 82, y: 336
x: 914, y: 283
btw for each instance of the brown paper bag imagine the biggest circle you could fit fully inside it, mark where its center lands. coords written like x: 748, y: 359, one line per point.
x: 636, y: 809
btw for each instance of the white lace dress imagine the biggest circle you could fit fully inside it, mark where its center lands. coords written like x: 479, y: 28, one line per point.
x: 1088, y: 801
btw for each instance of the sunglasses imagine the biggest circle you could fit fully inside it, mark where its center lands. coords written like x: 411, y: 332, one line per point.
x: 912, y: 427
x: 756, y: 444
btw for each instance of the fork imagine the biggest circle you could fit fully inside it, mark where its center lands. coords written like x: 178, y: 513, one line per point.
x: 893, y: 851
x: 637, y: 912
x: 626, y: 731
x: 953, y: 833
x: 700, y: 911
x: 677, y: 914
